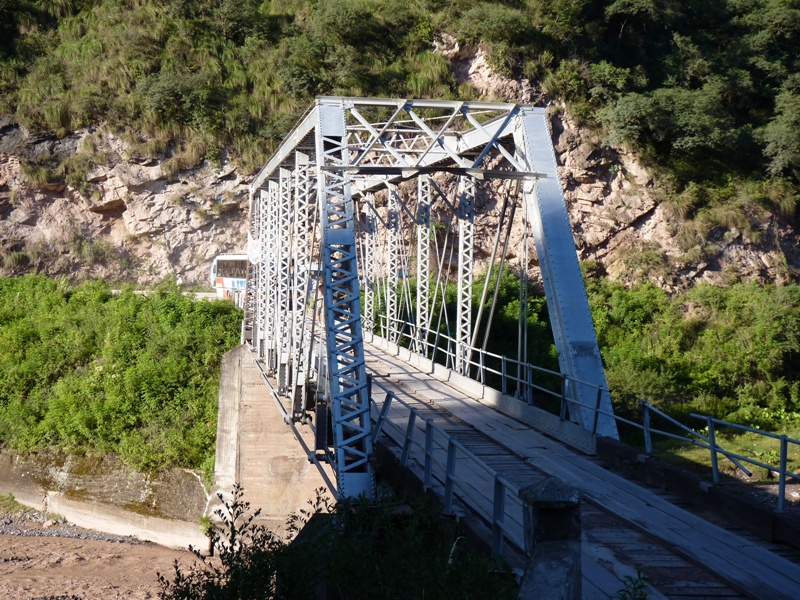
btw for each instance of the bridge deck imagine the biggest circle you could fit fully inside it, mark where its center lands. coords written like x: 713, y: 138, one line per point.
x: 625, y: 525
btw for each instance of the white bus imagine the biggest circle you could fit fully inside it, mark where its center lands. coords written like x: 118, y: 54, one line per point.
x: 229, y: 276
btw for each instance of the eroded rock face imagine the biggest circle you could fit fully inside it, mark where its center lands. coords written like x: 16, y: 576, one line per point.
x: 133, y: 222
x: 469, y: 63
x: 129, y: 222
x: 622, y: 220
x: 618, y: 210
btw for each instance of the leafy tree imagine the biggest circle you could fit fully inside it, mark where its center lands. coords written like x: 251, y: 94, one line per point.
x: 782, y: 135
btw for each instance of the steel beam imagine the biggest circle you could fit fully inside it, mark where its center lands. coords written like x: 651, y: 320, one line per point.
x: 283, y: 318
x: 466, y: 241
x: 423, y: 263
x: 271, y: 282
x: 394, y: 265
x: 567, y: 303
x: 263, y: 273
x: 368, y: 263
x: 301, y: 288
x: 346, y: 367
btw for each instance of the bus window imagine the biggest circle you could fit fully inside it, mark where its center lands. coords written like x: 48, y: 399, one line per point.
x: 229, y: 276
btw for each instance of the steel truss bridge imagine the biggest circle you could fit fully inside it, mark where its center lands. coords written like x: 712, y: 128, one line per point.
x: 342, y: 215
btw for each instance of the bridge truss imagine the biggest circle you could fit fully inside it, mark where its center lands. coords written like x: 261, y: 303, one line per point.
x: 330, y: 218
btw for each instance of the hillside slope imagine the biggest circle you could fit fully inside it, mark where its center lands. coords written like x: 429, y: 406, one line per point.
x: 132, y: 127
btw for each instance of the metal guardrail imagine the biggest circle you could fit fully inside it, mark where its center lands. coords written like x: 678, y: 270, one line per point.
x: 524, y: 386
x: 447, y: 473
x: 709, y: 442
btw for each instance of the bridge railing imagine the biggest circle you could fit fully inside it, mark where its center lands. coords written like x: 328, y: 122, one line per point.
x: 709, y: 442
x: 529, y: 383
x: 519, y: 378
x: 446, y: 462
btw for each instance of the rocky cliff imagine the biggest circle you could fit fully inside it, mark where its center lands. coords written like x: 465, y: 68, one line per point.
x: 126, y: 219
x: 132, y: 216
x: 628, y: 223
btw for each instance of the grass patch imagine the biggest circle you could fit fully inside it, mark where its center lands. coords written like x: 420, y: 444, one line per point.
x: 8, y: 504
x: 15, y: 259
x: 757, y: 447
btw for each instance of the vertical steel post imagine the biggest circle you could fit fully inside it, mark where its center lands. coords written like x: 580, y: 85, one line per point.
x: 712, y: 438
x: 271, y: 282
x: 344, y: 342
x: 597, y: 401
x: 529, y: 383
x: 393, y: 242
x: 301, y: 288
x: 249, y: 318
x: 368, y: 264
x: 428, y: 453
x: 387, y: 403
x: 263, y: 278
x: 283, y: 312
x: 648, y: 442
x: 498, y: 512
x: 253, y: 283
x: 423, y: 262
x: 450, y: 476
x: 466, y: 241
x: 412, y: 419
x: 782, y: 474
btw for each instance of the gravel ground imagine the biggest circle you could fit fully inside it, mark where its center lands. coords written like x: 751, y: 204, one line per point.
x: 46, y: 558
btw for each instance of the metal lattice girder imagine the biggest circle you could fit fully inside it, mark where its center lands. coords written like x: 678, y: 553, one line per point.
x: 466, y: 241
x: 271, y: 281
x: 346, y: 366
x: 392, y: 139
x: 567, y: 303
x: 423, y: 262
x: 263, y: 269
x: 251, y: 284
x: 250, y: 314
x: 301, y: 225
x: 283, y: 325
x: 361, y: 145
x: 393, y: 242
x: 368, y: 264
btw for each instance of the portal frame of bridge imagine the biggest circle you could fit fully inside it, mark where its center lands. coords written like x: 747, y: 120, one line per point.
x: 342, y: 153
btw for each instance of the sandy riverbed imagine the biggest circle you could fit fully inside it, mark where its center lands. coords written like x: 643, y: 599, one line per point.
x: 43, y: 559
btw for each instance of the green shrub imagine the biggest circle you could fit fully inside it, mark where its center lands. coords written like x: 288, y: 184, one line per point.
x: 131, y: 374
x: 254, y: 563
x: 728, y: 352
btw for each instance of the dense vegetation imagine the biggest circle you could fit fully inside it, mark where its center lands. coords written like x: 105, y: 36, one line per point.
x: 84, y: 369
x: 412, y: 552
x: 707, y: 89
x: 727, y: 352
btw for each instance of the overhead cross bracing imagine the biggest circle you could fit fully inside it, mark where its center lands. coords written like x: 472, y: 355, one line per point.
x: 338, y: 179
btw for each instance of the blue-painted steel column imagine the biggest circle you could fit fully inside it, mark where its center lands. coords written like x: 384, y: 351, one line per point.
x: 346, y: 367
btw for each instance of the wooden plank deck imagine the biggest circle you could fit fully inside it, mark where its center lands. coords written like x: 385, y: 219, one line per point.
x: 523, y: 455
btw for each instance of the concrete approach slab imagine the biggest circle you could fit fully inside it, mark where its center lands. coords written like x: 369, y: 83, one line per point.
x: 257, y: 448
